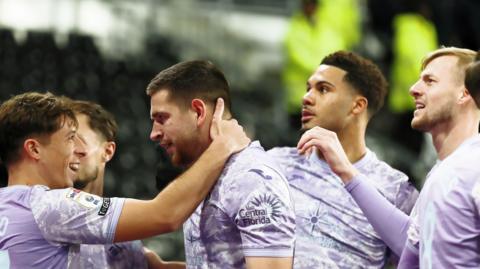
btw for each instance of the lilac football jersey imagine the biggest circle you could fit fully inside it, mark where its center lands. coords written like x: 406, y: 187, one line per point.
x: 445, y: 226
x: 124, y: 255
x: 332, y: 231
x: 43, y: 228
x: 248, y: 213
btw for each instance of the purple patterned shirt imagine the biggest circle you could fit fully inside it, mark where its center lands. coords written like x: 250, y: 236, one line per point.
x: 43, y: 228
x: 125, y: 255
x: 445, y: 223
x: 332, y: 231
x: 248, y: 213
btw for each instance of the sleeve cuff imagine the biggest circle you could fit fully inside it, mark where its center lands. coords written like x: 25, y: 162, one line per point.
x: 356, y: 180
x: 112, y: 227
x: 280, y: 253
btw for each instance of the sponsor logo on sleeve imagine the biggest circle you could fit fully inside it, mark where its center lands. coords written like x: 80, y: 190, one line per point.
x: 71, y: 193
x: 85, y: 199
x: 263, y: 209
x: 105, y: 205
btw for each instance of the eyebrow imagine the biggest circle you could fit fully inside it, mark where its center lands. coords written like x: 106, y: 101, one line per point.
x: 157, y: 114
x: 72, y: 131
x: 426, y: 75
x: 319, y: 83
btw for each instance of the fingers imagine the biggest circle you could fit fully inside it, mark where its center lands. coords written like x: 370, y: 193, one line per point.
x: 315, y: 133
x: 219, y: 108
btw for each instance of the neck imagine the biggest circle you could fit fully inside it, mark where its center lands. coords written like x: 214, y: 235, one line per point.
x: 447, y: 137
x: 96, y: 186
x: 23, y: 173
x: 353, y: 142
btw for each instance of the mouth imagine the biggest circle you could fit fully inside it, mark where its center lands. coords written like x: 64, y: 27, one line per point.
x: 419, y: 106
x: 168, y: 147
x: 74, y: 166
x: 306, y: 115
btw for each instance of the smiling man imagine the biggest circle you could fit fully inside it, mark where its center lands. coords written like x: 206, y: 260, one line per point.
x: 342, y: 95
x: 43, y: 222
x: 443, y: 229
x: 247, y: 221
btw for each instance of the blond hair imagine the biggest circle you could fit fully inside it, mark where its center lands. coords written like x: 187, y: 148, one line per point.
x: 465, y: 57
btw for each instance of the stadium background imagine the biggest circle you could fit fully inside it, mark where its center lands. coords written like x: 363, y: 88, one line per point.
x: 107, y: 51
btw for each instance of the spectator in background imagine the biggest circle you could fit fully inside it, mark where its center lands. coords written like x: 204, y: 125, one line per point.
x: 414, y: 36
x: 319, y: 28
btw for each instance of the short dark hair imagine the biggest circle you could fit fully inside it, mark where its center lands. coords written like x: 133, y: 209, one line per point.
x: 472, y: 79
x: 192, y: 79
x: 363, y: 75
x: 99, y: 119
x: 31, y: 114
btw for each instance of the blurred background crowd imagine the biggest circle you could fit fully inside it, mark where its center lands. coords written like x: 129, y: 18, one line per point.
x: 107, y: 51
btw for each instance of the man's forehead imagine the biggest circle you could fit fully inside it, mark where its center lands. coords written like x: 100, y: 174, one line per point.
x: 444, y: 62
x: 328, y: 72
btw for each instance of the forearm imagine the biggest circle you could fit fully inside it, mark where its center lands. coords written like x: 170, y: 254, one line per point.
x: 409, y: 258
x: 269, y: 262
x: 388, y: 221
x: 171, y: 207
x: 155, y: 262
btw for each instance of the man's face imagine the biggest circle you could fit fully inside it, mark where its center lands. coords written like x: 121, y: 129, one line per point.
x: 436, y: 93
x: 175, y: 129
x: 60, y: 156
x: 328, y: 101
x: 93, y: 159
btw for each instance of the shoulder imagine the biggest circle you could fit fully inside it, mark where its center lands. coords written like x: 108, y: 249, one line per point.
x: 392, y: 183
x: 382, y: 172
x: 254, y: 165
x: 285, y: 156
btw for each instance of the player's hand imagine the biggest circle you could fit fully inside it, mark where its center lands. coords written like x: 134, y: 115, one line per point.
x: 330, y: 149
x: 227, y: 132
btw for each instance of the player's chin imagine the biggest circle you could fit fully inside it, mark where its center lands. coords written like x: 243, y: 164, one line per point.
x: 306, y: 126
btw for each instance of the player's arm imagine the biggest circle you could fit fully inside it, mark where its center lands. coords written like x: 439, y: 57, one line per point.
x: 387, y: 220
x: 268, y: 243
x: 171, y: 207
x: 269, y: 262
x: 155, y: 262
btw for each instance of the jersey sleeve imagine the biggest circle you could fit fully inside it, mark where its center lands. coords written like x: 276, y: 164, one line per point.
x: 75, y: 217
x: 265, y: 216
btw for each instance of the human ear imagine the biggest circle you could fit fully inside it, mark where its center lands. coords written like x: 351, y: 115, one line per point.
x: 109, y: 151
x: 32, y: 148
x: 360, y: 104
x: 200, y: 109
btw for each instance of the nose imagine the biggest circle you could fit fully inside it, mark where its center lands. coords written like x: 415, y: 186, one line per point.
x: 80, y: 147
x: 156, y: 133
x: 308, y: 99
x: 415, y: 90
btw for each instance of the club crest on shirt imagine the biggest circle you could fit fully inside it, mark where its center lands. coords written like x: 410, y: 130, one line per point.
x: 85, y: 199
x: 262, y: 209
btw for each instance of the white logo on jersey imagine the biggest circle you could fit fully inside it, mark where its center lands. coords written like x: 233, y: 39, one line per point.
x: 85, y: 199
x: 4, y: 259
x: 3, y: 225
